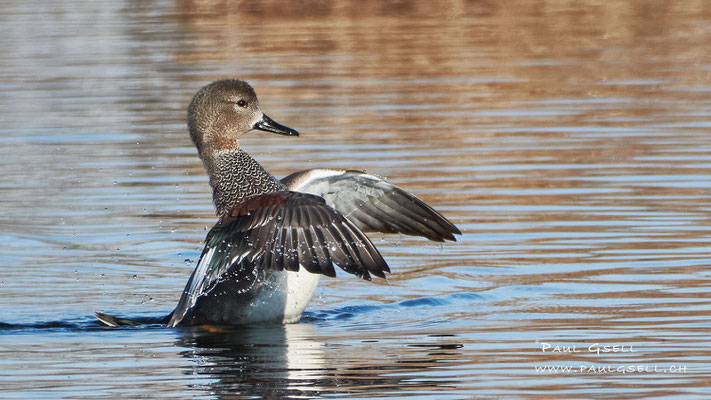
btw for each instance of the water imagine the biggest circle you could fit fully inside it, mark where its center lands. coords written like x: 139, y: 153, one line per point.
x: 568, y: 141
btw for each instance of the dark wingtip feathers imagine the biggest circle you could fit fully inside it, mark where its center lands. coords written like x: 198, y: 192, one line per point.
x: 295, y: 230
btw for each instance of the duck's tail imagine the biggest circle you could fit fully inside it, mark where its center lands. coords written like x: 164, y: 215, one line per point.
x: 114, y: 322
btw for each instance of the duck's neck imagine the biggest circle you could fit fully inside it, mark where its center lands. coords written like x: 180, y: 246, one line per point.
x: 235, y: 177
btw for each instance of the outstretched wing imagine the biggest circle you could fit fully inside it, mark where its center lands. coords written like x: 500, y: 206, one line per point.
x: 281, y: 230
x: 373, y: 204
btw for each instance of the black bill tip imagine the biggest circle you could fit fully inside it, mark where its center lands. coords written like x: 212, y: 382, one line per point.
x: 269, y: 125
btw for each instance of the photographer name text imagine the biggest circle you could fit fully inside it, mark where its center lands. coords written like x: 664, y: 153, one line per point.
x: 596, y: 348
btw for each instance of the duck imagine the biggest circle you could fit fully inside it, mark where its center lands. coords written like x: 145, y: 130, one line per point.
x: 274, y: 238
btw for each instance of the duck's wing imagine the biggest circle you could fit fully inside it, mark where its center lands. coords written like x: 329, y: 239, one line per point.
x: 282, y: 230
x: 373, y: 204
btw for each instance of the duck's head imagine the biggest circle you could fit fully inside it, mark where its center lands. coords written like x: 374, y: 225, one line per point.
x: 223, y: 111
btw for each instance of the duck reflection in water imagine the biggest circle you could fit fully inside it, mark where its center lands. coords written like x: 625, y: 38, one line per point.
x: 290, y: 361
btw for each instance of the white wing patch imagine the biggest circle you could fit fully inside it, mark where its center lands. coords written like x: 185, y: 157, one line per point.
x: 307, y: 184
x: 200, y: 272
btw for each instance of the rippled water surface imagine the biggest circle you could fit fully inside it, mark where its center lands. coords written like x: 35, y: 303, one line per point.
x: 570, y: 142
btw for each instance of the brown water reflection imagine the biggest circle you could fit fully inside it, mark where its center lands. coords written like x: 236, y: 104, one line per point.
x: 568, y: 140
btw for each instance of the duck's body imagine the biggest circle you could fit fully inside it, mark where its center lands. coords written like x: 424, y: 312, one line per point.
x: 263, y: 259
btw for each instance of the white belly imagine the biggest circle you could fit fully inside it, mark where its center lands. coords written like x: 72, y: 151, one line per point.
x: 300, y: 288
x: 285, y: 300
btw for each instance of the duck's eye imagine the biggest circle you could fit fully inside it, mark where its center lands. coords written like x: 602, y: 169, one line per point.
x: 241, y: 103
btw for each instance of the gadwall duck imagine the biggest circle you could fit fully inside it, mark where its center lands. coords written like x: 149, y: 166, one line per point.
x: 275, y: 238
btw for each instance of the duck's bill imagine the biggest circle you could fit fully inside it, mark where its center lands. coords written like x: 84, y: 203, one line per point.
x: 269, y: 125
